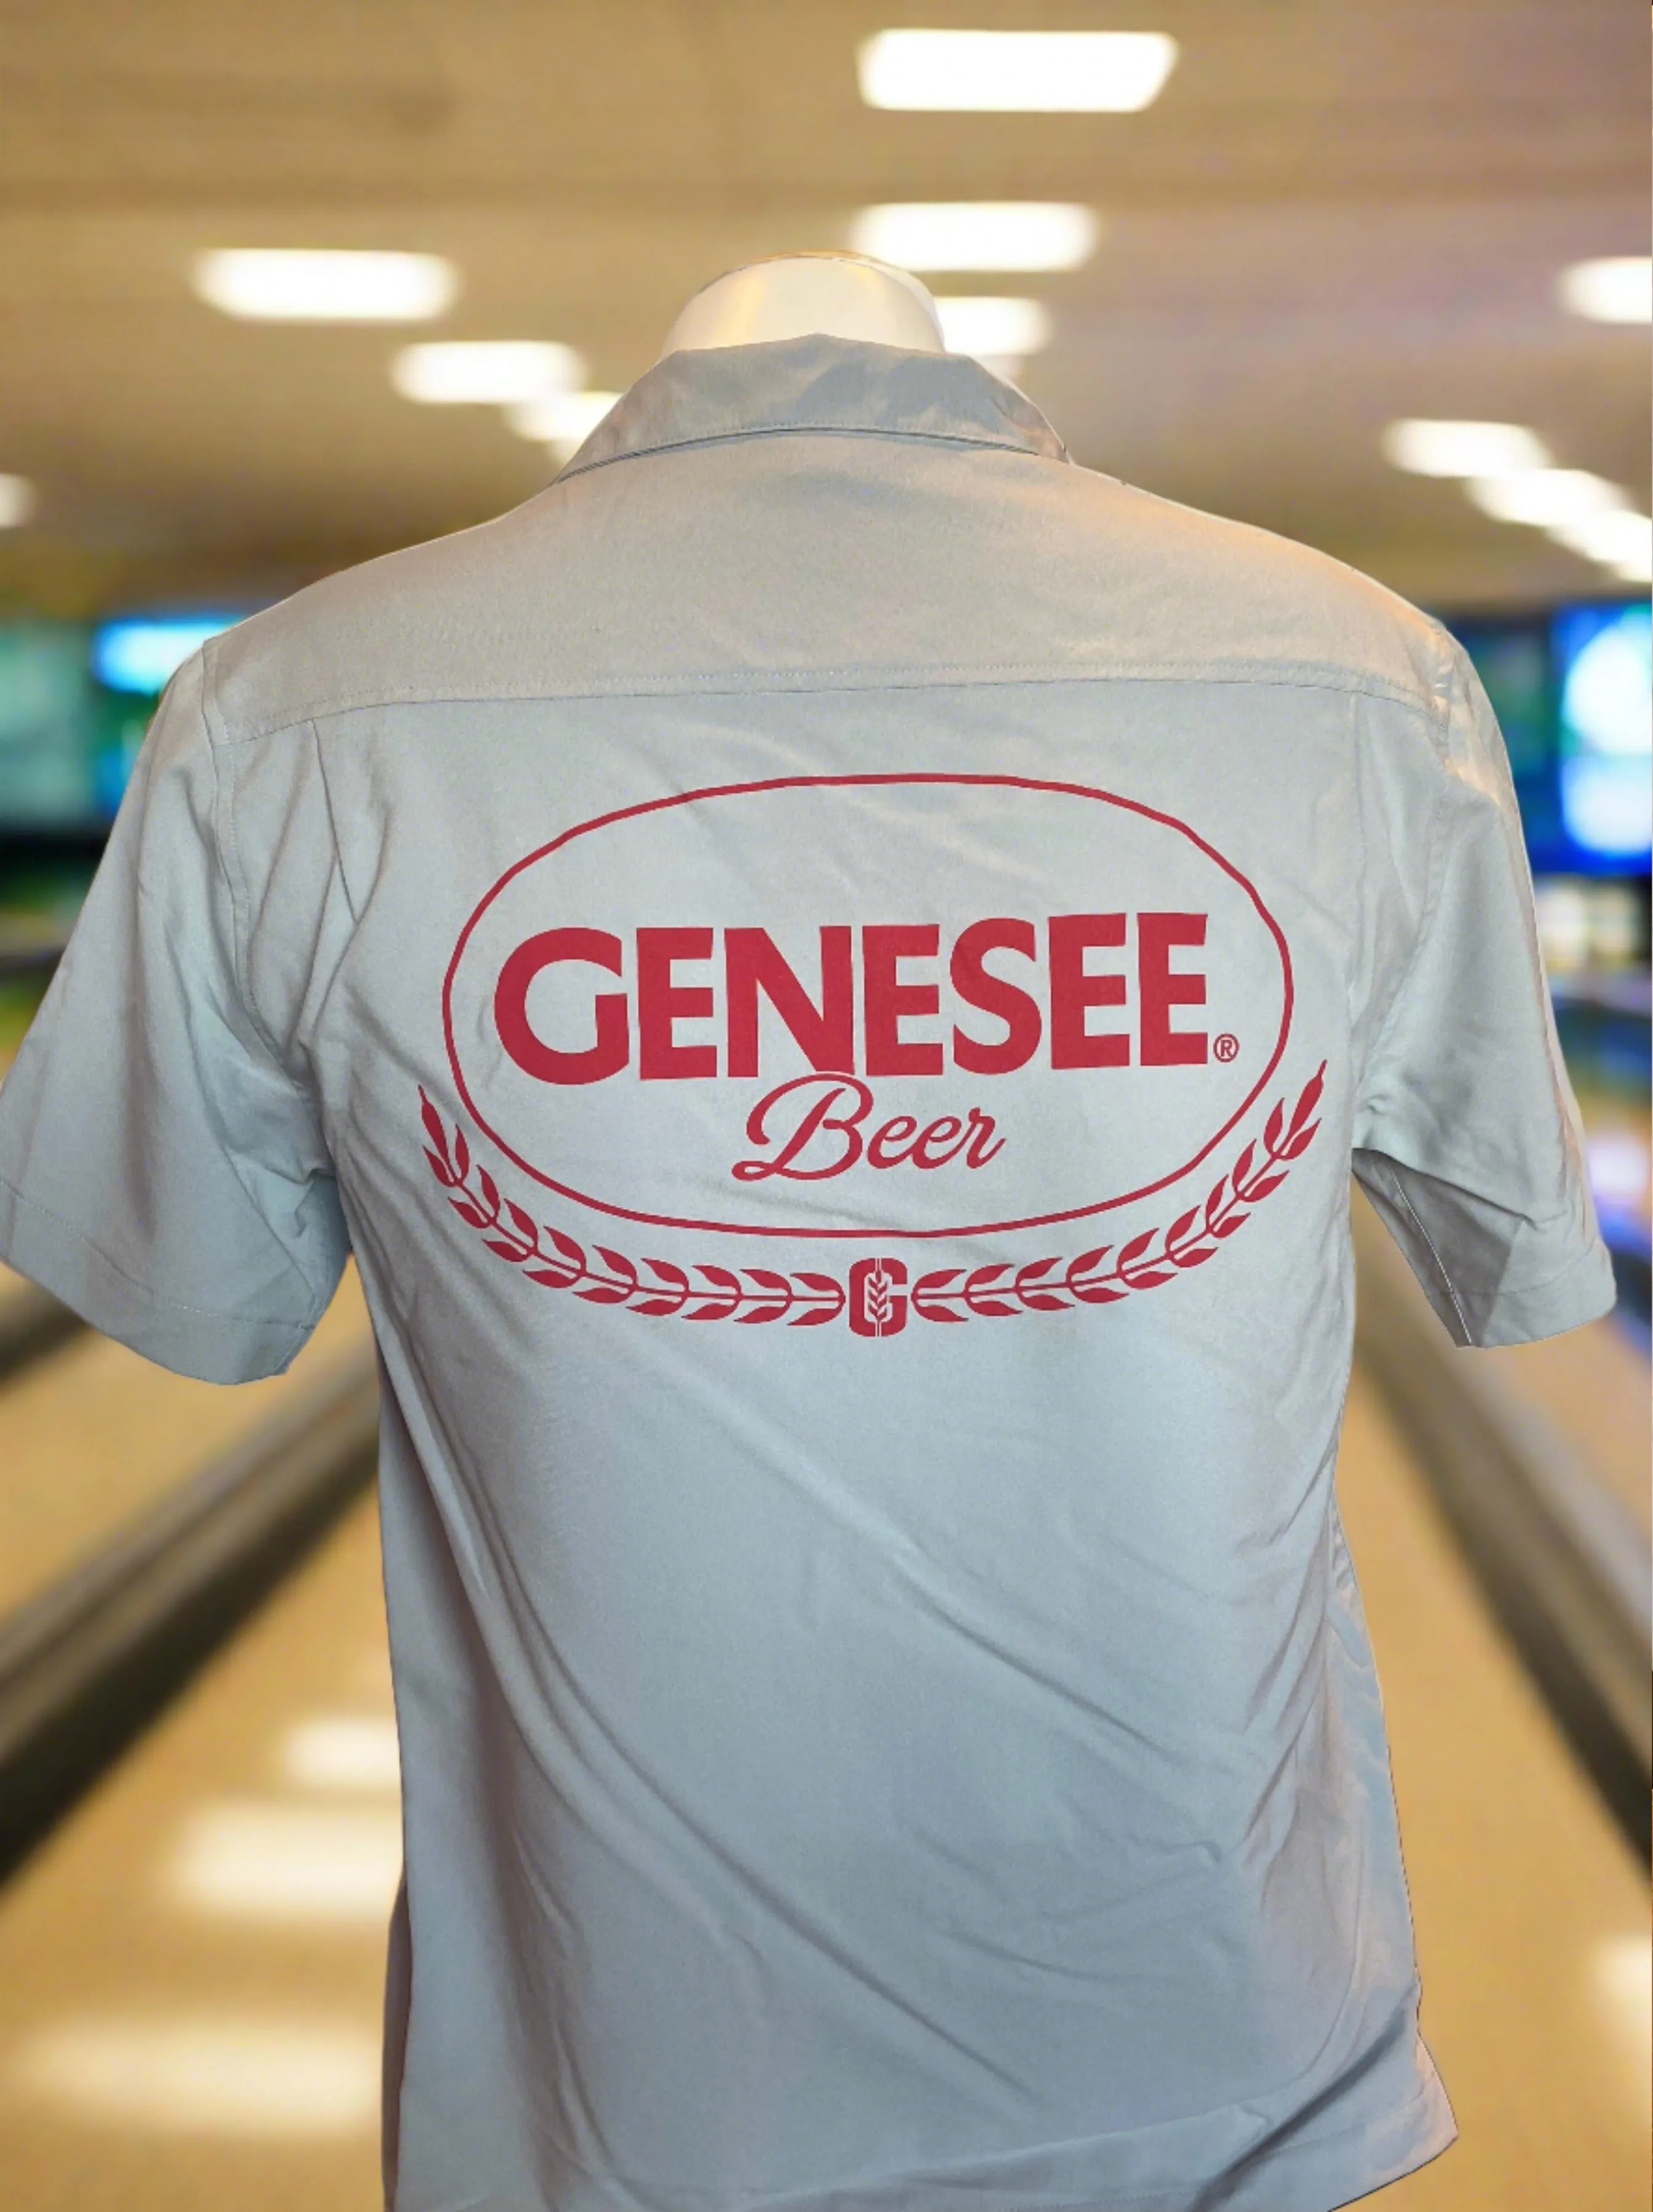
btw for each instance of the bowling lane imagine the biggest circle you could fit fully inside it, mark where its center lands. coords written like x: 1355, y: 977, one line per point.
x: 189, y: 1968
x: 1604, y: 1025
x: 91, y: 1435
x: 1591, y: 1385
x: 1530, y: 1908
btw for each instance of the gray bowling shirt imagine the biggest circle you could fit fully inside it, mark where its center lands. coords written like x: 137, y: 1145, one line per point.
x: 831, y: 970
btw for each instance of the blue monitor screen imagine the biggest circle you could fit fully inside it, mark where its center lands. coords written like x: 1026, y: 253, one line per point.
x: 74, y: 701
x: 1573, y: 693
x: 1604, y: 668
x: 141, y: 653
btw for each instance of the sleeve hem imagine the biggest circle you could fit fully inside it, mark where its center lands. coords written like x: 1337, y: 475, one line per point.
x: 1584, y: 1290
x: 213, y: 1347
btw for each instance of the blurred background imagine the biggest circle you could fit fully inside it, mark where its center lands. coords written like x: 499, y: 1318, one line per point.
x: 283, y: 290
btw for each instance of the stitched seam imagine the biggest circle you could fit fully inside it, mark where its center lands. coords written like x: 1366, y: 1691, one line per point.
x: 155, y: 1297
x: 332, y: 822
x: 1434, y: 879
x: 1411, y: 1212
x: 1499, y: 1291
x: 990, y: 444
x: 227, y: 850
x: 757, y: 684
x: 1264, y: 2151
x: 227, y: 853
x: 241, y: 932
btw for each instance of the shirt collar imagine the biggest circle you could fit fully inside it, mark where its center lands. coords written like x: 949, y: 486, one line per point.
x: 816, y: 383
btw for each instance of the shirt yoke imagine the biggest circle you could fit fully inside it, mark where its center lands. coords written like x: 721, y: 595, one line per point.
x: 823, y: 561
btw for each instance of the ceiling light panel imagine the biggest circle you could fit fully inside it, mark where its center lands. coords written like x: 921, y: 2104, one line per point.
x: 1616, y: 537
x: 1015, y: 72
x: 562, y: 420
x: 1545, y: 496
x: 279, y: 285
x: 1616, y: 291
x: 1435, y: 448
x: 17, y: 501
x: 496, y: 373
x: 998, y: 235
x: 1000, y: 328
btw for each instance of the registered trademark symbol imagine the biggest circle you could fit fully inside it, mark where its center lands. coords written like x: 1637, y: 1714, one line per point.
x: 1226, y: 1047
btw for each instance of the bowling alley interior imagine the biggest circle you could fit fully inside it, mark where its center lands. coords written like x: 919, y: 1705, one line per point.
x: 286, y: 289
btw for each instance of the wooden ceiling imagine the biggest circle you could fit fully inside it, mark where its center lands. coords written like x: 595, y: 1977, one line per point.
x: 1339, y: 212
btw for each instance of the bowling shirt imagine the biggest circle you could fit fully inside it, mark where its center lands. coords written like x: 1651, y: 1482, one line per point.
x: 832, y: 970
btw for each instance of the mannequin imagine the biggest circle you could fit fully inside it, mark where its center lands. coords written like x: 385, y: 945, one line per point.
x: 843, y: 294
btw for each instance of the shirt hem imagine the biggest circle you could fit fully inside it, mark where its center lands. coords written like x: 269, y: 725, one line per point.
x: 1282, y: 2171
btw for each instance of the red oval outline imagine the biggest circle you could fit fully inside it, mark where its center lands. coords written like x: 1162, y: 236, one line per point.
x: 859, y: 782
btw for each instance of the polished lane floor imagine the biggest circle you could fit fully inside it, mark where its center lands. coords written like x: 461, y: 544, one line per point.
x: 190, y: 1968
x: 91, y: 1436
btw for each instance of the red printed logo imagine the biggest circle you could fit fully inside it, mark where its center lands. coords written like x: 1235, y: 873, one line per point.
x: 877, y: 1298
x: 866, y: 1008
x: 925, y: 1006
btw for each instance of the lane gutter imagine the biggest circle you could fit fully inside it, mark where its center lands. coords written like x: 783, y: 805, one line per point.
x: 32, y: 1321
x: 86, y: 1665
x: 1560, y: 1561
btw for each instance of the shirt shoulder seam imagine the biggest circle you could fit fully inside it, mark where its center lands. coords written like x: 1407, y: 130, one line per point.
x: 227, y: 840
x: 1438, y: 708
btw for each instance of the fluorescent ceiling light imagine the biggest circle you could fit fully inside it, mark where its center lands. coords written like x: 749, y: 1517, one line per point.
x: 1022, y: 72
x: 1430, y: 448
x: 487, y: 372
x: 344, y: 1751
x: 1022, y: 235
x: 1545, y: 496
x: 283, y: 286
x: 276, y: 1861
x: 209, y: 2075
x: 997, y: 328
x: 562, y: 420
x: 1618, y: 290
x: 17, y: 501
x: 1613, y: 536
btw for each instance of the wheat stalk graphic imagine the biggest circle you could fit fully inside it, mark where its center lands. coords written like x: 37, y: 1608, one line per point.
x: 550, y: 1257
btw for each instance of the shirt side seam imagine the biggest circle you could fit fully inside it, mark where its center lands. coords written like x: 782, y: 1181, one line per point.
x: 1447, y: 1284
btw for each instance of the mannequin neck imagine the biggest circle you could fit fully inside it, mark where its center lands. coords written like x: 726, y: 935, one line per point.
x: 796, y: 294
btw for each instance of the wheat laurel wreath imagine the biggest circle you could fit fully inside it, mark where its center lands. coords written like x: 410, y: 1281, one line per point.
x: 554, y: 1259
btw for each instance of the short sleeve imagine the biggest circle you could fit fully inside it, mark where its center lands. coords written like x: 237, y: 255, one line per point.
x: 1468, y: 1137
x: 160, y: 1170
